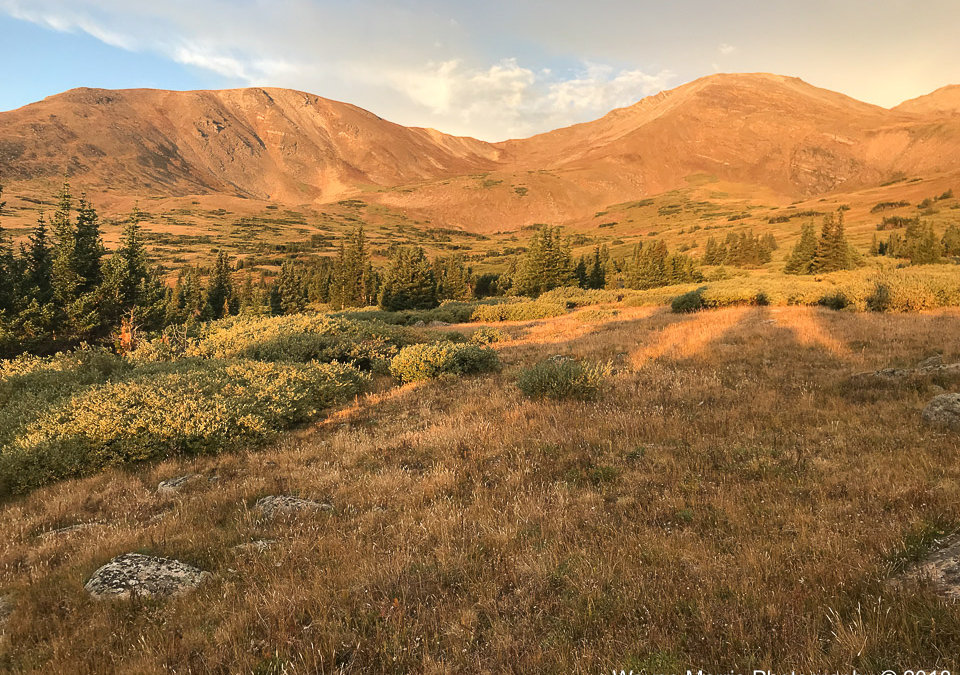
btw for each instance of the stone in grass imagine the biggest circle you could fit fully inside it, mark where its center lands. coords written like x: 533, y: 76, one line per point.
x: 6, y: 609
x: 135, y: 574
x: 943, y: 410
x: 70, y: 529
x: 255, y: 546
x: 172, y: 486
x: 942, y: 569
x: 285, y: 505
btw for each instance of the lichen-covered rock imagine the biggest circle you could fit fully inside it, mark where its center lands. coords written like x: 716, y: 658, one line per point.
x: 941, y: 567
x: 255, y: 546
x: 172, y: 486
x: 893, y: 374
x: 134, y: 574
x: 285, y: 505
x: 944, y: 411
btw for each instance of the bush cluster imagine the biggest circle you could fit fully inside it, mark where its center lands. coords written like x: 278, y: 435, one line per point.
x: 487, y: 335
x: 159, y: 410
x: 563, y: 378
x: 426, y: 361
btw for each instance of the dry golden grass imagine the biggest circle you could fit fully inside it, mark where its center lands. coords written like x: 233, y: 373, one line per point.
x: 730, y: 501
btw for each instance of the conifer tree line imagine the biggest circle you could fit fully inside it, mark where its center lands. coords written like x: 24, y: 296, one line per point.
x: 828, y: 253
x: 920, y: 244
x: 740, y: 250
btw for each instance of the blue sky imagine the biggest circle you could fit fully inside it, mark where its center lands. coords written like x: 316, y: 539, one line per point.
x: 492, y: 69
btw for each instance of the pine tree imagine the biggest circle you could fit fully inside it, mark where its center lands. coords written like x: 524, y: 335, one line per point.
x: 291, y: 295
x: 66, y: 282
x: 951, y: 241
x: 452, y: 278
x: 409, y: 282
x: 9, y: 271
x: 804, y: 252
x: 833, y: 251
x: 127, y: 269
x: 220, y: 300
x: 923, y: 245
x: 89, y: 247
x: 597, y: 278
x: 38, y: 280
x: 547, y: 264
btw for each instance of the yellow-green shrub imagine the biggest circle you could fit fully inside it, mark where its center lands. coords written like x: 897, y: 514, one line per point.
x: 561, y: 378
x: 487, y: 335
x: 425, y: 361
x: 518, y: 311
x: 163, y: 409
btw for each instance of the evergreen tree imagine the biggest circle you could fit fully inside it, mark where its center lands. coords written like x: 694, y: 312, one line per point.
x: 291, y: 295
x: 923, y: 245
x: 127, y: 272
x: 220, y: 299
x: 545, y: 265
x: 9, y: 272
x: 353, y: 282
x: 409, y: 282
x: 66, y: 282
x: 597, y: 277
x: 833, y: 251
x: 89, y: 249
x: 804, y: 252
x: 38, y: 280
x: 951, y: 241
x: 452, y: 278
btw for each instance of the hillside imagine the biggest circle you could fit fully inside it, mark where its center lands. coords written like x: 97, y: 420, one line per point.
x: 944, y: 100
x: 773, y: 134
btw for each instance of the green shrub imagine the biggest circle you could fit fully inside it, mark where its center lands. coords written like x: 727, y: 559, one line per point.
x: 881, y: 299
x: 688, y: 302
x: 425, y: 361
x: 835, y: 301
x: 189, y: 406
x: 518, y: 311
x: 487, y: 335
x: 562, y: 378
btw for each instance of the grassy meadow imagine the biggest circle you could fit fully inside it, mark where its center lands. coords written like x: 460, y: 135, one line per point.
x: 715, y: 491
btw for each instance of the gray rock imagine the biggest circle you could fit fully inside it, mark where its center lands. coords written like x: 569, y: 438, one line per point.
x: 902, y: 373
x: 6, y: 609
x: 134, y: 574
x: 932, y: 361
x: 70, y: 529
x: 419, y: 324
x: 438, y: 324
x: 944, y: 410
x: 255, y: 546
x: 941, y: 567
x: 285, y: 505
x: 172, y: 486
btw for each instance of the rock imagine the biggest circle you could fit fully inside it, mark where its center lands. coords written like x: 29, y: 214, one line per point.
x: 942, y: 568
x: 419, y: 324
x: 932, y: 361
x: 438, y: 324
x: 6, y: 609
x: 902, y: 373
x: 134, y: 574
x: 172, y: 486
x: 69, y: 529
x: 284, y: 505
x: 256, y: 546
x: 944, y: 410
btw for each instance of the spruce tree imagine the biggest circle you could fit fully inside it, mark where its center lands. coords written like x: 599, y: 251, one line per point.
x: 291, y: 295
x: 89, y: 247
x: 9, y: 271
x: 597, y: 277
x: 951, y: 241
x: 547, y: 264
x: 127, y: 269
x: 409, y: 282
x: 66, y: 282
x: 804, y: 252
x: 220, y: 300
x: 452, y: 278
x: 38, y: 280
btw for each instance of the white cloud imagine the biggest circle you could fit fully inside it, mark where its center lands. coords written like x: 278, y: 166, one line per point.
x: 726, y: 49
x: 372, y: 55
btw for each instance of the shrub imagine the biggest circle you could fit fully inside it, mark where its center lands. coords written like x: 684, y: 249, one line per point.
x: 881, y: 299
x: 688, y: 302
x: 518, y: 311
x: 425, y: 361
x: 190, y: 406
x: 562, y: 378
x: 835, y: 301
x: 487, y: 335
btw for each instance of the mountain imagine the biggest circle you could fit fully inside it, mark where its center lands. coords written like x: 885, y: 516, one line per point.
x: 774, y: 133
x: 944, y: 100
x: 261, y: 143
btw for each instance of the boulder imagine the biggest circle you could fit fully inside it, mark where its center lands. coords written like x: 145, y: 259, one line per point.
x: 892, y: 374
x: 255, y: 546
x: 941, y: 567
x: 172, y: 486
x: 419, y: 324
x: 931, y: 362
x: 285, y: 505
x: 944, y: 411
x: 70, y: 529
x: 438, y: 324
x: 134, y: 574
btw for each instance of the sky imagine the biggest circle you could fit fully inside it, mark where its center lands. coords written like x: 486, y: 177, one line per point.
x: 492, y: 69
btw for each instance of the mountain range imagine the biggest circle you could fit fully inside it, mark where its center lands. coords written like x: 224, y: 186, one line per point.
x: 771, y: 132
